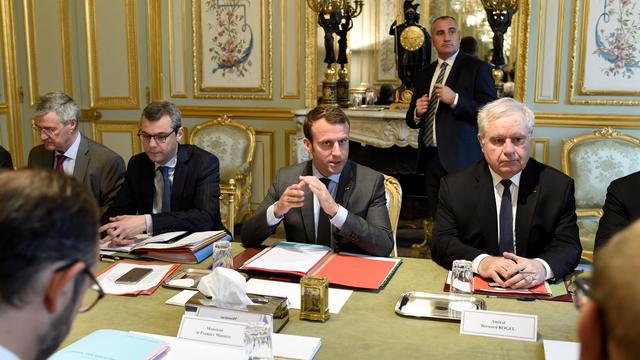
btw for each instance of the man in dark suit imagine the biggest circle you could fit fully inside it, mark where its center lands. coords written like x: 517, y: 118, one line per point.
x: 512, y: 216
x: 445, y: 105
x: 329, y: 200
x: 64, y: 148
x: 169, y: 187
x: 620, y: 208
x: 5, y: 159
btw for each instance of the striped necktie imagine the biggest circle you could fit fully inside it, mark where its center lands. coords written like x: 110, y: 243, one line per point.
x: 427, y: 139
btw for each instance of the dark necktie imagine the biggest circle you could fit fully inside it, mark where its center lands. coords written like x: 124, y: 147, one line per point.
x: 427, y: 139
x: 323, y: 236
x: 166, y: 189
x: 506, y: 219
x: 59, y: 161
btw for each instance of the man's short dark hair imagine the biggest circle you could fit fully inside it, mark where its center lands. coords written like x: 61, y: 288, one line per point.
x: 442, y: 18
x: 469, y: 46
x: 158, y: 109
x: 45, y: 217
x: 332, y: 114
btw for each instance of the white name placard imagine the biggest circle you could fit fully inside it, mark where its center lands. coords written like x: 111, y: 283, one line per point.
x: 212, y: 330
x: 499, y: 324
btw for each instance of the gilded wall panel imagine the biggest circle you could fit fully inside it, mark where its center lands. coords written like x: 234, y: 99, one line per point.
x: 549, y: 54
x: 290, y: 47
x: 178, y: 48
x: 112, y: 53
x: 263, y: 166
x: 119, y: 136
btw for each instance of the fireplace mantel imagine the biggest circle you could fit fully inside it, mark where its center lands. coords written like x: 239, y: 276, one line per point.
x: 381, y: 129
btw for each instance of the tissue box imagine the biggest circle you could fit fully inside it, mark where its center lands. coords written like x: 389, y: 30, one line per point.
x: 270, y: 308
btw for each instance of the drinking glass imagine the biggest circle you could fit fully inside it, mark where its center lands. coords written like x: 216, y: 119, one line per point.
x: 461, y: 278
x: 257, y: 341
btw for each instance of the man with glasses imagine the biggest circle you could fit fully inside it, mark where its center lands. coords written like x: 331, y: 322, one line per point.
x: 48, y: 247
x: 65, y: 149
x: 169, y: 187
x: 608, y: 325
x: 512, y: 216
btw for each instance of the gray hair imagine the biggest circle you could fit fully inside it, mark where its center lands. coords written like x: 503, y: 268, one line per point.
x: 158, y: 109
x: 501, y: 108
x: 59, y: 103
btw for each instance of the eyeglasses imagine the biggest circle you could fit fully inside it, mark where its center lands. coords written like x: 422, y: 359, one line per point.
x: 159, y: 138
x: 95, y: 292
x: 47, y: 131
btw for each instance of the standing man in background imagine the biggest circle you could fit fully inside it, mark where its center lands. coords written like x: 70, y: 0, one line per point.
x: 64, y: 148
x: 445, y: 103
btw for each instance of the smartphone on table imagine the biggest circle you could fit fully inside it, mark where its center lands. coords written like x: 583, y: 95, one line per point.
x: 133, y: 276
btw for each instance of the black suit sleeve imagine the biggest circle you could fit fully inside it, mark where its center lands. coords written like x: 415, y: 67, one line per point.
x: 125, y: 200
x: 445, y: 243
x: 615, y: 215
x: 484, y: 92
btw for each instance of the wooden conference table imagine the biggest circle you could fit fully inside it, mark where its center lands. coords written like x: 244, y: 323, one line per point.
x: 367, y: 326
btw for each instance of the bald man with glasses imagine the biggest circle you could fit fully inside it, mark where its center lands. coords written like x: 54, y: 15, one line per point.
x: 169, y: 187
x: 49, y: 244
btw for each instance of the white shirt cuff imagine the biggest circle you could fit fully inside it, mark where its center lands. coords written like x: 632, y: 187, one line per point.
x: 455, y: 102
x: 476, y: 262
x: 272, y: 220
x: 148, y: 224
x: 340, y: 218
x: 550, y: 274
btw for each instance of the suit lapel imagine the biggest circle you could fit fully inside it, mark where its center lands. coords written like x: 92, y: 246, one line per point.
x: 454, y: 74
x: 486, y: 207
x: 82, y: 160
x: 179, y: 175
x: 347, y: 180
x: 307, y: 210
x: 527, y: 201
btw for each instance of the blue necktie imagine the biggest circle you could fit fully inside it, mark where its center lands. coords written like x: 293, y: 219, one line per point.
x: 506, y: 219
x: 166, y: 189
x: 323, y: 236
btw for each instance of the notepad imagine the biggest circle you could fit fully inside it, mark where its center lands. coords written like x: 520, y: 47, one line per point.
x: 113, y: 344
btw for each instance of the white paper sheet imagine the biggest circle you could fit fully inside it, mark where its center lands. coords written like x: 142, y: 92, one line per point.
x: 107, y: 279
x: 143, y: 239
x: 181, y: 298
x: 284, y: 346
x: 289, y: 257
x: 561, y: 350
x: 337, y: 297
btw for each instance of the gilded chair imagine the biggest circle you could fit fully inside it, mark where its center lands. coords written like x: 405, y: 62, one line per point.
x: 593, y: 160
x: 233, y: 143
x: 393, y: 193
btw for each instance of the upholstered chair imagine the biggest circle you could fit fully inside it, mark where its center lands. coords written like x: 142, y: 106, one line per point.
x: 233, y: 143
x: 593, y: 160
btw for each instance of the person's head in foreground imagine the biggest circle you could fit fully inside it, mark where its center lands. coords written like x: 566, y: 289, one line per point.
x: 608, y: 325
x: 48, y: 245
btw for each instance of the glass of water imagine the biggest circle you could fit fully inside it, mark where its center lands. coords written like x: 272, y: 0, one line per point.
x: 222, y: 255
x: 257, y: 341
x: 461, y: 278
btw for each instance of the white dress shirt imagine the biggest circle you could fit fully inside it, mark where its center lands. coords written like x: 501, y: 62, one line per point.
x: 69, y: 163
x: 158, y: 182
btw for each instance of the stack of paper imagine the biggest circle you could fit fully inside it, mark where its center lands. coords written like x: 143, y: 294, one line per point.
x: 146, y: 286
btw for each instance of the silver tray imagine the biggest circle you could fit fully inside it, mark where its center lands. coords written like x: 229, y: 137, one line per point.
x: 436, y: 306
x: 194, y: 274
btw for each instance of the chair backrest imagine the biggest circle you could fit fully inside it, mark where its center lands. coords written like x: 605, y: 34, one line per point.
x: 596, y: 158
x: 393, y: 193
x: 593, y: 160
x: 234, y: 144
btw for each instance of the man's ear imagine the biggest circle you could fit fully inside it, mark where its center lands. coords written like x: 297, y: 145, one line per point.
x: 307, y: 145
x: 60, y: 287
x: 180, y: 133
x: 590, y: 327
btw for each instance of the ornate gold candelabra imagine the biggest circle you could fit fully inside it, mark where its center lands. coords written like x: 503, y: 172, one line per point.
x: 335, y: 16
x: 499, y: 14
